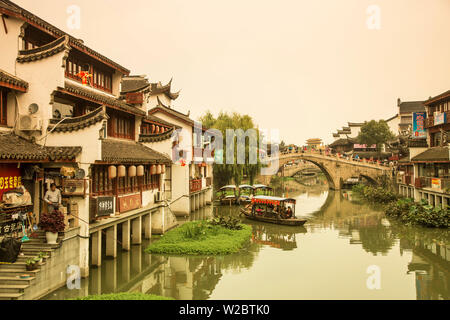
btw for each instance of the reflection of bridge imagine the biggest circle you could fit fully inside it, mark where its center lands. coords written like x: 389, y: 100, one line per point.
x: 336, y: 169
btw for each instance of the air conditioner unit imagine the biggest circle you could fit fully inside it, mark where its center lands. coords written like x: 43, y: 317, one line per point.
x: 159, y: 196
x: 29, y: 122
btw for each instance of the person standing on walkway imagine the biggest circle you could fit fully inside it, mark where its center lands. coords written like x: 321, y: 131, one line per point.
x: 53, y: 198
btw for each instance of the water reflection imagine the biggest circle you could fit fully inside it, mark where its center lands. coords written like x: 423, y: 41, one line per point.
x: 327, y: 259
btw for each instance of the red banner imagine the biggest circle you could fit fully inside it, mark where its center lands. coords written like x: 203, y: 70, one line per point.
x: 9, y: 177
x: 128, y: 203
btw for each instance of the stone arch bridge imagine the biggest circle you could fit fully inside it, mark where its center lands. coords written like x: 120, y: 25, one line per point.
x: 336, y: 169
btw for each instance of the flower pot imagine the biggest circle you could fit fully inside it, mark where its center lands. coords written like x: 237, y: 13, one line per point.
x: 30, y: 267
x: 51, y: 237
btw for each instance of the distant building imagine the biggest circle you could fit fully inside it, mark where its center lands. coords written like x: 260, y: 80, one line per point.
x: 314, y: 143
x: 405, y: 114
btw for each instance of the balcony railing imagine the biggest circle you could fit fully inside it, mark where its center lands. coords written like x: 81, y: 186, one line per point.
x: 195, y: 185
x: 407, y: 179
x: 429, y: 121
x: 440, y: 184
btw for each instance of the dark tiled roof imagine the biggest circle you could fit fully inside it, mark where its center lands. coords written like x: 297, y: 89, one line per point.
x: 156, y: 137
x: 12, y: 80
x: 171, y: 112
x: 156, y: 88
x: 411, y: 106
x: 344, y: 131
x: 355, y: 124
x: 442, y: 96
x: 101, y: 98
x: 417, y: 143
x: 63, y: 153
x: 433, y: 154
x: 153, y: 118
x: 336, y: 135
x: 133, y: 84
x: 45, y: 51
x: 13, y: 147
x: 342, y: 142
x: 14, y: 10
x: 78, y: 123
x: 117, y: 151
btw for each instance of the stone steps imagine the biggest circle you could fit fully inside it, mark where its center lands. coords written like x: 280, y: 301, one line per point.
x: 17, y: 272
x: 16, y: 280
x: 12, y: 288
x: 10, y: 296
x: 16, y: 265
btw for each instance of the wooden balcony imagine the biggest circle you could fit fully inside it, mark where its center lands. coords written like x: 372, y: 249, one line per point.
x: 429, y: 121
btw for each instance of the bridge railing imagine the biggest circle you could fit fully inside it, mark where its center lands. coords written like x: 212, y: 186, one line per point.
x: 327, y: 154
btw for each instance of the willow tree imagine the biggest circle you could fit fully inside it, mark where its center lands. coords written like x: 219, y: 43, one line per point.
x: 230, y: 170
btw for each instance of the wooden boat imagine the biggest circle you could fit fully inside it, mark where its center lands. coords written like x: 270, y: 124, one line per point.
x: 262, y: 189
x: 245, y: 193
x: 272, y: 210
x: 228, y: 195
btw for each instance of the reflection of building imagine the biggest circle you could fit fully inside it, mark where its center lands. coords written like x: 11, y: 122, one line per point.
x: 431, y: 264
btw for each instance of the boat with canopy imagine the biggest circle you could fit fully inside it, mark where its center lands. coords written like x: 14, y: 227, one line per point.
x: 271, y: 209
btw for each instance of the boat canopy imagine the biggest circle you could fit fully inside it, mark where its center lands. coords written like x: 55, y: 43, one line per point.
x: 231, y: 186
x: 271, y: 200
x: 261, y: 186
x: 245, y: 186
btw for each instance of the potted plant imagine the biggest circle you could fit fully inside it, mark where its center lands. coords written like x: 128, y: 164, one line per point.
x: 52, y: 223
x: 43, y: 255
x: 38, y: 260
x: 30, y: 265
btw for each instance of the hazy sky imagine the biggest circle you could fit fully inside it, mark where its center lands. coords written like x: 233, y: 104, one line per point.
x: 303, y: 67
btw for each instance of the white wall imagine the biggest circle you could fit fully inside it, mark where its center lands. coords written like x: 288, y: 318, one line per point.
x: 10, y: 44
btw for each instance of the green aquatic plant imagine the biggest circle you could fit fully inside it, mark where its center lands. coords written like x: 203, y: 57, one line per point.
x: 203, y: 238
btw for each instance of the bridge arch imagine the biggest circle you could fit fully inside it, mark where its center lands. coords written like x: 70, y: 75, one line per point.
x: 337, y: 170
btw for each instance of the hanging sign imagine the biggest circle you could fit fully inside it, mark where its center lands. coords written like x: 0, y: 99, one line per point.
x: 105, y: 206
x: 436, y: 183
x: 419, y: 125
x: 10, y: 178
x: 440, y: 118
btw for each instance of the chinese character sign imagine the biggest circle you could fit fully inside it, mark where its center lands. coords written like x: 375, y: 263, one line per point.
x: 9, y: 178
x: 419, y: 125
x: 439, y: 118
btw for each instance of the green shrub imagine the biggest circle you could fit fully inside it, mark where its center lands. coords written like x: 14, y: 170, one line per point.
x: 374, y: 194
x: 410, y: 212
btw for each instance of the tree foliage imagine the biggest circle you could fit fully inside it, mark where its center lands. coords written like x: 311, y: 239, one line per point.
x: 375, y: 132
x: 227, y: 173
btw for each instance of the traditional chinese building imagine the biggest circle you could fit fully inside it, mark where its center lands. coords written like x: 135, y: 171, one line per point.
x: 163, y: 128
x: 71, y: 116
x: 426, y: 172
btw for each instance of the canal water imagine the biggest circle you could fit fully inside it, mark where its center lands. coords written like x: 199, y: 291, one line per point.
x: 347, y: 250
